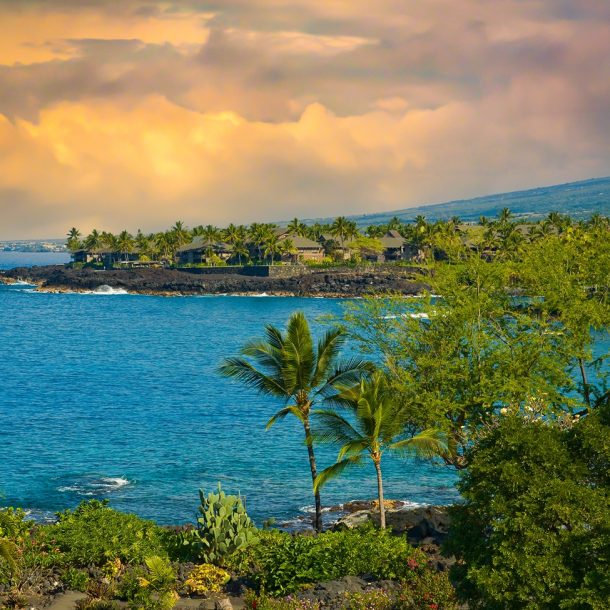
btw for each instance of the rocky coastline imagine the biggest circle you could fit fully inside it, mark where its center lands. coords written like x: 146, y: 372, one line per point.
x: 338, y: 283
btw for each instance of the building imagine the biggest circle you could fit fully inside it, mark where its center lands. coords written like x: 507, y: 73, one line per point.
x: 201, y: 250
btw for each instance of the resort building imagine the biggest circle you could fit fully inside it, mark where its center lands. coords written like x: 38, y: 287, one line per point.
x: 202, y: 250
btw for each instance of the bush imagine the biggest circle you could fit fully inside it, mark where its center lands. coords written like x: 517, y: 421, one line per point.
x: 284, y: 563
x: 223, y: 530
x: 534, y: 531
x: 151, y: 587
x: 93, y: 533
x: 207, y: 578
x: 75, y: 580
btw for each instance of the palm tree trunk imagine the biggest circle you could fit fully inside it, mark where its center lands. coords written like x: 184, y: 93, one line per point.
x: 380, y: 495
x: 317, y: 521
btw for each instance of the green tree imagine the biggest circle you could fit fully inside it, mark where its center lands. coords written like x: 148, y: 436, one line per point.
x: 459, y: 358
x: 533, y: 530
x: 288, y: 366
x: 125, y: 244
x: 73, y: 242
x: 376, y: 426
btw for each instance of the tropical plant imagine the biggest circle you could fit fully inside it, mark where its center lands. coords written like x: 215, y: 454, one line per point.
x: 223, y: 528
x: 283, y: 563
x: 206, y: 578
x: 377, y: 426
x: 288, y: 366
x: 156, y: 590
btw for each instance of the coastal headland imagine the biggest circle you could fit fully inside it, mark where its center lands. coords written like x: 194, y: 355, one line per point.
x: 341, y: 282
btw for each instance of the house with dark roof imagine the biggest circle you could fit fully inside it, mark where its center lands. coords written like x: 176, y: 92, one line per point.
x: 305, y: 249
x: 201, y: 250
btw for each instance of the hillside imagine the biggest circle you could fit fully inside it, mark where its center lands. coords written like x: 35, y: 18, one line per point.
x: 578, y: 199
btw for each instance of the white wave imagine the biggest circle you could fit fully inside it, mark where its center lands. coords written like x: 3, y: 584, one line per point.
x: 94, y: 486
x: 21, y: 283
x: 262, y: 294
x: 108, y: 290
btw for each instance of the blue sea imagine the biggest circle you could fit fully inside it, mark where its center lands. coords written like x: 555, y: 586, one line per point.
x: 117, y: 396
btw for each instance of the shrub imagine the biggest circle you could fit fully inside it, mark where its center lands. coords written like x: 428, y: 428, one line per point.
x: 93, y: 533
x: 425, y: 589
x: 223, y: 529
x: 153, y: 587
x: 207, y: 578
x: 75, y: 580
x: 534, y: 531
x: 284, y: 563
x: 378, y: 599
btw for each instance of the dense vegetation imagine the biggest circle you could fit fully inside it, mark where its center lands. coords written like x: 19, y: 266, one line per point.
x: 491, y: 373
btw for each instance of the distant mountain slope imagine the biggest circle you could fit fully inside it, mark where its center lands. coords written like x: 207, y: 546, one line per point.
x: 578, y: 199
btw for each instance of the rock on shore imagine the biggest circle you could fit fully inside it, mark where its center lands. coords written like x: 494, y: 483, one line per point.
x: 329, y: 283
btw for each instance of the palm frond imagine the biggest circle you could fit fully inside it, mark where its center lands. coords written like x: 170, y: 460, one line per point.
x: 242, y: 370
x: 298, y: 354
x: 331, y: 427
x: 328, y: 350
x: 348, y: 373
x: 335, y: 470
x: 291, y: 410
x: 427, y: 444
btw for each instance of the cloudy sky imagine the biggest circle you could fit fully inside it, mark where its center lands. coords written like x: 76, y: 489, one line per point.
x: 138, y: 113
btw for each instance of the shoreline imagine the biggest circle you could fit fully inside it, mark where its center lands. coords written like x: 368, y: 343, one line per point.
x: 327, y: 283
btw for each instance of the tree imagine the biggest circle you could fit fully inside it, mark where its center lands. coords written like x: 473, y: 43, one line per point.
x: 286, y: 365
x: 377, y: 426
x: 459, y: 358
x: 180, y: 233
x: 94, y: 240
x: 366, y: 246
x: 73, y: 242
x: 341, y: 229
x: 272, y: 246
x: 125, y: 244
x: 533, y: 530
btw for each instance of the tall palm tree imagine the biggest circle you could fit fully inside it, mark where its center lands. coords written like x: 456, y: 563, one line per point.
x: 340, y: 229
x: 94, y: 240
x: 287, y: 365
x: 73, y: 242
x: 125, y: 244
x: 240, y: 250
x: 272, y: 246
x: 377, y: 426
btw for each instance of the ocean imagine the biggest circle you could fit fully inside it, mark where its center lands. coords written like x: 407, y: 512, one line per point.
x: 117, y: 396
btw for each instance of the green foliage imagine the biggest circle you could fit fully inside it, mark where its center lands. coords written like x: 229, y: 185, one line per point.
x: 423, y: 589
x: 223, y: 529
x: 153, y: 586
x: 534, y: 530
x: 283, y: 563
x: 14, y: 524
x: 494, y: 350
x: 75, y: 579
x: 94, y: 533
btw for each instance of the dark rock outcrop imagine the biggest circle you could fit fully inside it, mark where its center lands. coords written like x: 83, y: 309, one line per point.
x: 331, y: 283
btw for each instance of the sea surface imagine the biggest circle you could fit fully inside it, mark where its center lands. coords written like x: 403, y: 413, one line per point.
x: 118, y: 396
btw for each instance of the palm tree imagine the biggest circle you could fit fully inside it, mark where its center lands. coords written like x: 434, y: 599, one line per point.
x: 240, y: 249
x: 73, y: 242
x: 296, y: 227
x: 288, y: 366
x: 125, y: 244
x: 341, y: 229
x: 378, y: 425
x: 181, y: 233
x: 272, y: 246
x: 94, y: 240
x: 505, y: 215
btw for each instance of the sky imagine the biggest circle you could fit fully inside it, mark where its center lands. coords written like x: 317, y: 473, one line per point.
x: 139, y: 113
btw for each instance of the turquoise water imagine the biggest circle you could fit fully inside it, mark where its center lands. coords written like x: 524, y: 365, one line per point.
x: 118, y: 396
